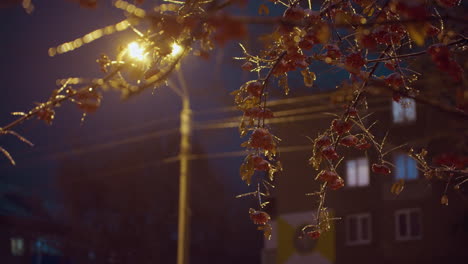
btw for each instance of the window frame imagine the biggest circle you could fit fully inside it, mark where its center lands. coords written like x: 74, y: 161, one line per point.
x: 359, y: 240
x: 404, y: 114
x: 17, y: 246
x: 407, y: 212
x: 356, y: 173
x: 406, y: 168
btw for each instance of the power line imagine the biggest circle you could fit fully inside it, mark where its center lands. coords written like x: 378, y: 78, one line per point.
x: 233, y: 121
x: 97, y: 147
x: 278, y: 120
x: 210, y: 111
x: 216, y: 155
x: 240, y: 153
x: 270, y: 103
x: 217, y: 124
x: 139, y: 138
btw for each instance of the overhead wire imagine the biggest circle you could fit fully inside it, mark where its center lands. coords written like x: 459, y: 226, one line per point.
x: 201, y: 113
x: 285, y: 116
x: 233, y: 154
x: 156, y: 122
x: 102, y: 146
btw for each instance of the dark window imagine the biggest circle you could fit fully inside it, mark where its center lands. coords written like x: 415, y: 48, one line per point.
x: 414, y: 223
x: 352, y: 229
x: 408, y: 224
x: 358, y: 229
x: 402, y: 223
x: 365, y: 228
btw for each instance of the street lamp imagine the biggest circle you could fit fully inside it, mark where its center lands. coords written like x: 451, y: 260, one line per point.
x: 183, y: 242
x: 136, y: 51
x: 183, y: 227
x: 140, y: 54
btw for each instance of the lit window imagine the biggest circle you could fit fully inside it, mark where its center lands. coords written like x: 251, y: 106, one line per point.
x: 406, y: 167
x: 408, y: 224
x: 17, y: 246
x: 358, y: 229
x: 404, y: 111
x: 357, y: 172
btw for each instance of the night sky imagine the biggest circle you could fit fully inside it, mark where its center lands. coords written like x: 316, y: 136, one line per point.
x: 28, y: 75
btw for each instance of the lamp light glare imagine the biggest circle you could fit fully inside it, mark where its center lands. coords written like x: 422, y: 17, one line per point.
x: 176, y: 49
x: 135, y: 51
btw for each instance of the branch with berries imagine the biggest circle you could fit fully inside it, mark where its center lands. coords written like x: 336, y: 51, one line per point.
x: 355, y: 37
x: 305, y: 36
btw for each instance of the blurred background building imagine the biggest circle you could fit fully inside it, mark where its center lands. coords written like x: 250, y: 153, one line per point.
x: 376, y: 225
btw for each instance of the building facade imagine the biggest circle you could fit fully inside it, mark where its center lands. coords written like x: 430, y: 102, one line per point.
x: 376, y: 225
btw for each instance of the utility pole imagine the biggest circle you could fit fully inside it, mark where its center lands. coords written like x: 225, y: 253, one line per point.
x: 183, y: 231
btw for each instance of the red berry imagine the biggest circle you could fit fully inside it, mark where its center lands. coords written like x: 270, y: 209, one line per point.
x: 247, y: 66
x: 381, y: 169
x: 265, y: 113
x: 46, y: 114
x: 349, y: 141
x: 327, y: 176
x: 257, y: 112
x: 363, y: 144
x: 441, y: 56
x: 455, y: 70
x: 367, y: 41
x: 416, y: 10
x: 337, y: 183
x: 395, y: 80
x: 301, y: 64
x: 314, y: 234
x: 439, y: 52
x: 252, y: 112
x: 396, y: 97
x: 323, y: 141
x: 260, y: 163
x: 451, y: 160
x: 306, y: 44
x: 263, y: 166
x: 255, y: 88
x: 389, y: 35
x: 88, y: 101
x: 351, y: 111
x: 432, y: 31
x: 330, y: 153
x: 341, y: 126
x: 354, y: 62
x: 312, y: 37
x: 390, y: 65
x: 294, y: 13
x: 281, y: 68
x: 259, y: 217
x: 448, y: 3
x: 261, y: 138
x: 312, y: 17
x: 333, y: 51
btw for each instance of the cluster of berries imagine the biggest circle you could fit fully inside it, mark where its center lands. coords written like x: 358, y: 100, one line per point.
x: 442, y: 57
x: 261, y: 138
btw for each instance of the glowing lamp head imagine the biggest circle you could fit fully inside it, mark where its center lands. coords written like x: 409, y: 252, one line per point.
x: 135, y: 51
x: 176, y: 49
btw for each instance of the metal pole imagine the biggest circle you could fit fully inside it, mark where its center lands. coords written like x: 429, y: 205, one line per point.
x: 183, y: 241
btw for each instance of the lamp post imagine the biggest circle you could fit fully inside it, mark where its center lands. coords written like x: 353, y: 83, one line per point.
x: 185, y: 129
x: 183, y: 230
x: 138, y: 53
